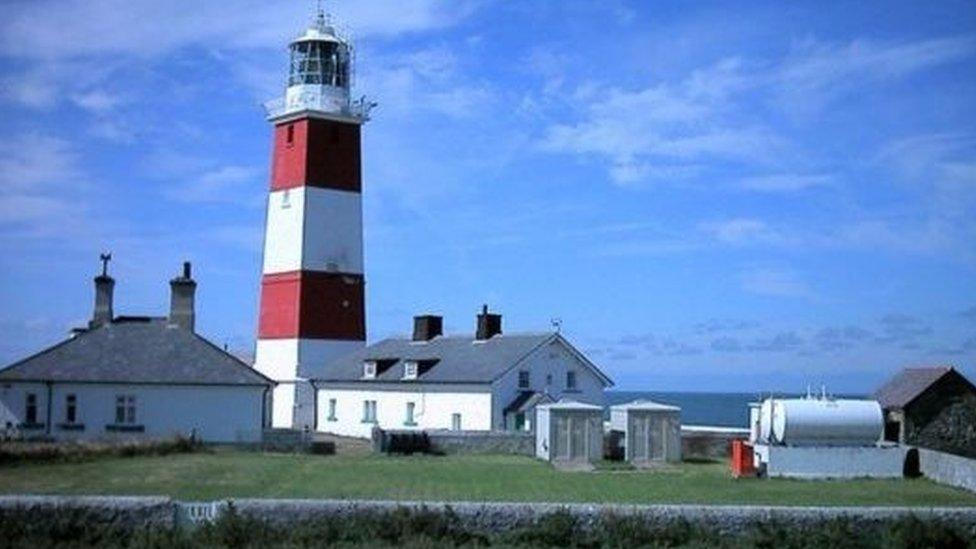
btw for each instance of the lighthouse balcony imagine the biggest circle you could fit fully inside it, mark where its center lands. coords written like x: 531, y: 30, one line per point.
x: 325, y: 102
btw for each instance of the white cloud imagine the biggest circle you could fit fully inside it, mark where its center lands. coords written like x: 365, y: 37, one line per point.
x: 230, y: 184
x: 742, y: 231
x: 773, y: 282
x: 784, y: 182
x: 715, y: 112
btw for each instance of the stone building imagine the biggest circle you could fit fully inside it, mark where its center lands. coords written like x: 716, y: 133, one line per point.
x: 932, y: 408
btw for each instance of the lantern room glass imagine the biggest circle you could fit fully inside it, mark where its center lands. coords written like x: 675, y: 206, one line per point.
x: 319, y: 63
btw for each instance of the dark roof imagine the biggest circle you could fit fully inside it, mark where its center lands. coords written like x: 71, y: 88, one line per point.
x: 526, y: 400
x: 905, y: 387
x: 135, y: 350
x: 452, y: 359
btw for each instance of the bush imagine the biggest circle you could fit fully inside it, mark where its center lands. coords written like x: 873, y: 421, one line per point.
x: 23, y: 452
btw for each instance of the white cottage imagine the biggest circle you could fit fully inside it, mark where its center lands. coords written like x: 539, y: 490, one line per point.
x: 488, y: 381
x: 135, y: 377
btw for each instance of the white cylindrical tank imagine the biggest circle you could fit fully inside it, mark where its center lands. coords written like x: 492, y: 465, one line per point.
x: 821, y: 422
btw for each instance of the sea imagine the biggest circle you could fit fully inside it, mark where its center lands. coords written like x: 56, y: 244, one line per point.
x: 715, y: 409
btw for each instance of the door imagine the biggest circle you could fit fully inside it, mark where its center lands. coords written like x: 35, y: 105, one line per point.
x: 637, y: 438
x: 657, y: 430
x: 579, y: 438
x: 560, y: 446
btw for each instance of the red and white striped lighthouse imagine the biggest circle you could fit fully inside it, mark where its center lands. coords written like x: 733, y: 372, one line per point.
x: 312, y: 307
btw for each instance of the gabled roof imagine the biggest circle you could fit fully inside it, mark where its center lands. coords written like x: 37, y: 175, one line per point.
x: 905, y: 387
x: 646, y: 405
x: 453, y: 359
x: 136, y: 350
x: 566, y: 404
x: 526, y: 400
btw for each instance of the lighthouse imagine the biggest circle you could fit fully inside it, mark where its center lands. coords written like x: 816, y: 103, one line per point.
x: 312, y: 304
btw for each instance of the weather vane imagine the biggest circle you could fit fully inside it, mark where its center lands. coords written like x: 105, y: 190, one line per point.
x: 105, y: 257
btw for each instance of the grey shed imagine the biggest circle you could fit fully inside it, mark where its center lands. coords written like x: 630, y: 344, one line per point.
x: 569, y: 431
x: 652, y: 431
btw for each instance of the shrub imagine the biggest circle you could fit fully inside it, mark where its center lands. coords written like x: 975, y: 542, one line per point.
x: 23, y: 452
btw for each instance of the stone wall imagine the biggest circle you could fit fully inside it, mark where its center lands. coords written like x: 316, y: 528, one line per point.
x: 474, y: 517
x: 468, y: 442
x: 709, y: 443
x: 482, y: 442
x: 948, y: 469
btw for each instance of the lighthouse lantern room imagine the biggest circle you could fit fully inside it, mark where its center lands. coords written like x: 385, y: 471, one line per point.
x: 312, y: 305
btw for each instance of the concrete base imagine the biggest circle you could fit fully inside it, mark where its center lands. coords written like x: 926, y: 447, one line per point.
x: 820, y: 462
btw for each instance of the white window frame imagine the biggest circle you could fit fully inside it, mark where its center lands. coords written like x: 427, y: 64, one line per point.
x: 332, y: 410
x: 410, y: 369
x: 528, y: 379
x: 571, y: 375
x: 410, y: 419
x: 369, y: 411
x: 369, y: 369
x: 456, y: 424
x: 125, y: 409
x: 71, y: 409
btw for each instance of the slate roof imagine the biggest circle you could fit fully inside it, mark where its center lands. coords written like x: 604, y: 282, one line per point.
x: 135, y: 350
x: 526, y: 400
x: 905, y: 387
x: 649, y: 405
x: 449, y: 359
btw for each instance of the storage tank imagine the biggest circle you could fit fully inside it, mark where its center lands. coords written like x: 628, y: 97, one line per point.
x: 821, y: 422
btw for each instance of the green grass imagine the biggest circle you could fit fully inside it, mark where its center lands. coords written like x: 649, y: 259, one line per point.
x: 226, y: 473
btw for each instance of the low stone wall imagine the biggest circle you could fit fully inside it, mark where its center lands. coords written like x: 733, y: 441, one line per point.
x: 709, y: 442
x: 475, y: 517
x: 482, y: 442
x: 948, y: 469
x: 125, y: 512
x: 466, y: 442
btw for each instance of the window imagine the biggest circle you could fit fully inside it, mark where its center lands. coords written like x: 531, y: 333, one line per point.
x: 410, y: 369
x: 332, y: 409
x: 290, y: 137
x: 70, y: 409
x: 523, y: 379
x: 410, y: 420
x: 570, y: 380
x: 125, y: 410
x: 548, y: 379
x: 30, y: 412
x: 520, y: 421
x: 286, y: 199
x: 369, y: 369
x: 369, y: 411
x: 456, y: 422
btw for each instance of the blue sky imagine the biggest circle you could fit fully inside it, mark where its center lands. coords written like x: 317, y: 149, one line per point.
x: 710, y: 196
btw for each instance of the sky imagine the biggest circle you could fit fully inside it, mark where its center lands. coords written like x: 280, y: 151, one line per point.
x: 706, y: 196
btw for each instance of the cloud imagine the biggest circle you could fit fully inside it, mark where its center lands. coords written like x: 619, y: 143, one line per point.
x: 773, y: 282
x: 713, y: 326
x: 726, y: 345
x: 841, y: 338
x: 742, y: 231
x: 903, y: 329
x: 818, y: 72
x: 230, y: 184
x: 782, y: 342
x: 711, y: 114
x: 969, y: 314
x: 784, y: 182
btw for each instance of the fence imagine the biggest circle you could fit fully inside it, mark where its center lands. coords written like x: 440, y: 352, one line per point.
x: 461, y: 442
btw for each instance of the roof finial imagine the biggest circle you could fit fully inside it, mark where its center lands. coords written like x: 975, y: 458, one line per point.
x: 105, y: 258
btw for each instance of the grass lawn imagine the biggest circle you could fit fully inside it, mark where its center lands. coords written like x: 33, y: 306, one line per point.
x: 227, y: 473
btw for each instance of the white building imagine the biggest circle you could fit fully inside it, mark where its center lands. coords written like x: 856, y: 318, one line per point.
x: 487, y: 381
x: 135, y: 377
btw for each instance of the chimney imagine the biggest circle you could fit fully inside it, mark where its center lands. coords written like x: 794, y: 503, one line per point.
x: 104, y: 290
x: 427, y: 327
x: 183, y: 291
x: 489, y: 325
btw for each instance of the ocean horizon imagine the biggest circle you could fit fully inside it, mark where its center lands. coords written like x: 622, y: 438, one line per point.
x: 697, y: 408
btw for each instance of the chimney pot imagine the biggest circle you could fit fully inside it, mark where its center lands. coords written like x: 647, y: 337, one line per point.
x: 427, y: 327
